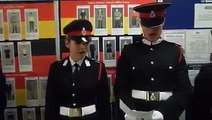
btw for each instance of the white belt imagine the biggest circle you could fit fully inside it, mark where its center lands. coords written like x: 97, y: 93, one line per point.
x: 150, y: 95
x: 77, y: 112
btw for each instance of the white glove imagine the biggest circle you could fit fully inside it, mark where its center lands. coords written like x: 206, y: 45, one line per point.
x: 128, y: 117
x: 157, y: 115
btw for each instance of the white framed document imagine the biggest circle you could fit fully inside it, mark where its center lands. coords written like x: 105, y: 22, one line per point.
x: 100, y: 19
x: 28, y: 113
x: 42, y: 90
x: 10, y: 92
x: 109, y: 51
x: 14, y: 24
x: 124, y: 40
x: 83, y: 12
x: 10, y: 114
x: 24, y: 56
x: 93, y: 48
x: 31, y: 85
x: 117, y: 19
x: 31, y: 24
x: 42, y: 113
x: 7, y: 57
x: 1, y: 26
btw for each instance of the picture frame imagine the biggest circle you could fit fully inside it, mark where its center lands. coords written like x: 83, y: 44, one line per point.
x: 124, y: 40
x: 14, y: 24
x: 93, y: 48
x: 31, y: 85
x: 109, y: 51
x: 133, y: 21
x: 42, y: 113
x: 10, y: 114
x: 42, y: 89
x: 117, y: 19
x: 1, y: 25
x: 24, y: 56
x: 31, y: 24
x: 83, y: 12
x: 28, y: 113
x: 10, y: 92
x: 7, y: 57
x: 100, y: 19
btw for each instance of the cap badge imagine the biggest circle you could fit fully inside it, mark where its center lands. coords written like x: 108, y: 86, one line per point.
x: 83, y: 31
x: 152, y: 14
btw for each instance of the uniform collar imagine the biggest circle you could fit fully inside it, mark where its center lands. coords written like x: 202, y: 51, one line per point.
x: 145, y: 41
x: 78, y: 62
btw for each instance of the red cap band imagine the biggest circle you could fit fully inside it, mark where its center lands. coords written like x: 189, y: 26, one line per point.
x: 79, y: 33
x: 152, y: 14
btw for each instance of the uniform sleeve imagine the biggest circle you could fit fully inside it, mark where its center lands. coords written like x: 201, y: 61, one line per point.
x: 103, y: 96
x: 52, y: 106
x: 2, y: 94
x: 122, y: 89
x: 174, y: 106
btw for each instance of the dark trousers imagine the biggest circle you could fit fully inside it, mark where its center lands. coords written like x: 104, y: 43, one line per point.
x: 1, y: 115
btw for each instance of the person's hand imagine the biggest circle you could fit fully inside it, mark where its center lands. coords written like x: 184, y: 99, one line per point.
x: 129, y: 117
x: 157, y: 115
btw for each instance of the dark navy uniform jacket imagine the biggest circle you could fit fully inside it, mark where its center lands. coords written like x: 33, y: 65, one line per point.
x: 160, y: 67
x: 2, y: 95
x: 201, y: 105
x: 87, y: 88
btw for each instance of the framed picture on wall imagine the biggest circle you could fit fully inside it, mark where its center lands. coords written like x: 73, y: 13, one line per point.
x: 10, y: 114
x: 133, y: 21
x: 28, y: 113
x: 94, y: 48
x: 31, y: 24
x: 42, y: 89
x: 24, y: 56
x: 14, y: 24
x: 10, y: 92
x: 206, y: 1
x: 109, y: 51
x: 31, y: 85
x: 83, y: 12
x: 1, y: 26
x: 42, y: 113
x: 117, y: 19
x: 7, y: 57
x: 124, y: 40
x: 100, y: 19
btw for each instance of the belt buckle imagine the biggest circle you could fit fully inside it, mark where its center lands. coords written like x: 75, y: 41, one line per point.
x: 75, y: 112
x: 152, y: 96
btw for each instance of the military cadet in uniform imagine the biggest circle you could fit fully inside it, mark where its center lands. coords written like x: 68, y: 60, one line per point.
x: 152, y: 78
x: 200, y: 106
x: 77, y: 87
x: 3, y: 98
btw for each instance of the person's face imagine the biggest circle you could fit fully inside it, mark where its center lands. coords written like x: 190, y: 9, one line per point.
x: 77, y: 50
x: 153, y: 33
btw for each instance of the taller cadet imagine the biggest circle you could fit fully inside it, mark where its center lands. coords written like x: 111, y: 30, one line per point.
x: 152, y: 75
x: 77, y: 87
